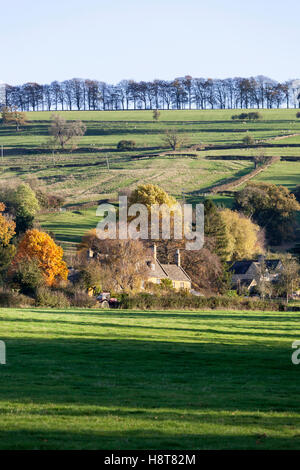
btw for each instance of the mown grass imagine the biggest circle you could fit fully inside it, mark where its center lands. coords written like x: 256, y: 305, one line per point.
x: 70, y: 226
x: 149, y: 380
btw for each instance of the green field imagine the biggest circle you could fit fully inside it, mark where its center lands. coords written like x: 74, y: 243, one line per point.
x: 83, y: 176
x: 149, y: 380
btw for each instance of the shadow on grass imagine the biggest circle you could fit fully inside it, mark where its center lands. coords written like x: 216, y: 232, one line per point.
x: 104, y: 369
x: 80, y: 385
x: 140, y: 439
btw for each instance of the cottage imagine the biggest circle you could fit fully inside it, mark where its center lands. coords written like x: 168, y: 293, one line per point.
x: 247, y: 273
x: 158, y: 271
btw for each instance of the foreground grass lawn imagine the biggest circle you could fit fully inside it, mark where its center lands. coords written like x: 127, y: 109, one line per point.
x: 149, y: 380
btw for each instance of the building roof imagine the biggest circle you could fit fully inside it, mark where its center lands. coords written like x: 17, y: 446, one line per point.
x: 167, y: 271
x: 176, y: 273
x: 241, y: 267
x: 272, y: 263
x: 156, y: 270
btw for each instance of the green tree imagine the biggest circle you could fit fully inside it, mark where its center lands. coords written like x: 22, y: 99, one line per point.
x: 26, y: 207
x: 270, y: 206
x: 215, y: 229
x: 28, y: 276
x: 248, y: 140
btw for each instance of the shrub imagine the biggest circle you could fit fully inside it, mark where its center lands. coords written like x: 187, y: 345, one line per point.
x: 250, y: 116
x: 49, y: 201
x: 46, y: 297
x: 298, y: 115
x: 184, y: 300
x: 27, y: 276
x: 12, y: 299
x: 254, y: 115
x: 82, y: 299
x: 126, y: 145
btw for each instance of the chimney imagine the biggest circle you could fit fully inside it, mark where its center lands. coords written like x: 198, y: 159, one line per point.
x: 154, y: 251
x: 260, y: 259
x: 177, y: 258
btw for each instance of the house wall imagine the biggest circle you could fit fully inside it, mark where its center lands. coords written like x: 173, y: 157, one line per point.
x: 176, y: 284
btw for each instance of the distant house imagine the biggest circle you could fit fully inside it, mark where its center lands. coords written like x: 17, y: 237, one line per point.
x: 158, y: 271
x: 247, y: 273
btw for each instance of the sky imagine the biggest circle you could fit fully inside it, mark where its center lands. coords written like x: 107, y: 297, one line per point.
x: 42, y: 41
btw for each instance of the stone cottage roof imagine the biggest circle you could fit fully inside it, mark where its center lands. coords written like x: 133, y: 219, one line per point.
x: 175, y: 273
x: 167, y: 271
x: 156, y: 270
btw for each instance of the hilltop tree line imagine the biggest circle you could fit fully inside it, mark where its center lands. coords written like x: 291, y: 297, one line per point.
x: 181, y: 93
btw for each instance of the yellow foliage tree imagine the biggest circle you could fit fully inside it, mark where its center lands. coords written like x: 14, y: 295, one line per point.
x: 41, y: 247
x: 243, y: 235
x: 150, y: 194
x: 7, y: 227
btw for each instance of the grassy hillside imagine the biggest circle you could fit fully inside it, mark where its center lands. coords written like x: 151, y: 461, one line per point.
x: 154, y: 380
x: 83, y: 176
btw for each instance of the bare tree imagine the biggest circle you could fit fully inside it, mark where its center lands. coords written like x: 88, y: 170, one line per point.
x: 64, y: 132
x: 260, y: 159
x: 289, y: 277
x: 174, y: 140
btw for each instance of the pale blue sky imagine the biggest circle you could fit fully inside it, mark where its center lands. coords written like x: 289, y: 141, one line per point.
x: 146, y: 39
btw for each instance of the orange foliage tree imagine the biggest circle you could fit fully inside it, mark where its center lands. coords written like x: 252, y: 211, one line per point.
x: 7, y: 227
x: 41, y: 247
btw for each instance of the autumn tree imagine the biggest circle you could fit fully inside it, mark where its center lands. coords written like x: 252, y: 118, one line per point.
x: 7, y: 227
x: 39, y: 246
x: 65, y: 132
x: 242, y: 234
x: 7, y: 250
x: 150, y: 194
x: 12, y: 115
